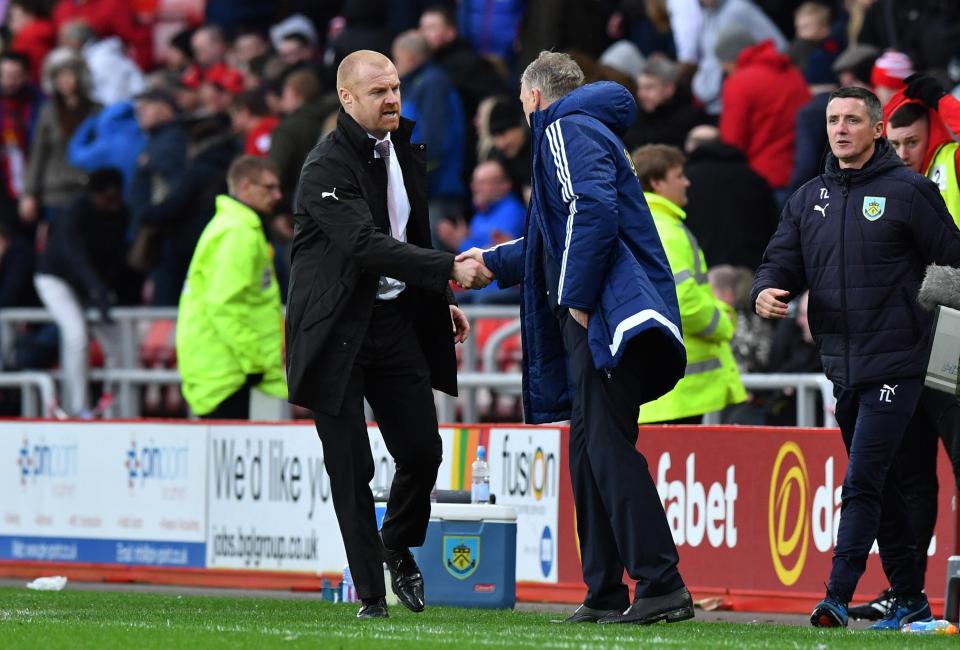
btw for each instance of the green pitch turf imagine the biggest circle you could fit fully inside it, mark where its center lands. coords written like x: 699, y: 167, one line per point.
x: 85, y: 619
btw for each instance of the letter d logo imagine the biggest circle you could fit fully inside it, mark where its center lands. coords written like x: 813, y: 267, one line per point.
x: 789, y: 487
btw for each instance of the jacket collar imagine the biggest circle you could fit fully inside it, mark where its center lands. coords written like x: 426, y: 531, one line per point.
x: 358, y: 138
x: 238, y: 210
x: 664, y: 205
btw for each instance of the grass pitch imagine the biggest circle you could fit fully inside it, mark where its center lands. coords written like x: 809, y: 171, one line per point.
x: 86, y: 619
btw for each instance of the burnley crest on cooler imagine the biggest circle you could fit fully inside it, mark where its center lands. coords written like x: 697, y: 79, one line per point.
x: 461, y: 555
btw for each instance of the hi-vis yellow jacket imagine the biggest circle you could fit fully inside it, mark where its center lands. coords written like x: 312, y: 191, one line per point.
x: 711, y: 380
x: 230, y: 321
x: 943, y: 171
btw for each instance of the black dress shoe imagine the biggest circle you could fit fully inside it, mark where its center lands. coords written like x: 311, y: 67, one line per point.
x: 405, y: 578
x: 584, y: 614
x: 373, y: 608
x: 672, y: 608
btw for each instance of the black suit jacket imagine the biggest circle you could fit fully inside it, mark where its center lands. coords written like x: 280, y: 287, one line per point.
x: 341, y: 247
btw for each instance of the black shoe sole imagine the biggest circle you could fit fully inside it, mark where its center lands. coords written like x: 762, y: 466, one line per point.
x: 684, y: 613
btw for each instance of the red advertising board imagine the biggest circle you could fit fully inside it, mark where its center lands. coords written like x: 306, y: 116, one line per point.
x: 754, y: 512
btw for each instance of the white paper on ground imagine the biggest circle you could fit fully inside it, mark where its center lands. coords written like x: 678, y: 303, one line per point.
x: 49, y: 583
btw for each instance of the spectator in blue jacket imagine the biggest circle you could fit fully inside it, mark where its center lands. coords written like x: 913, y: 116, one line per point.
x: 431, y: 100
x: 159, y: 168
x: 111, y: 138
x: 601, y: 332
x: 859, y: 236
x: 498, y: 219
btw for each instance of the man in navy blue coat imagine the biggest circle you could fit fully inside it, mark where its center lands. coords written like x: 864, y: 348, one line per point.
x: 601, y: 333
x: 860, y: 236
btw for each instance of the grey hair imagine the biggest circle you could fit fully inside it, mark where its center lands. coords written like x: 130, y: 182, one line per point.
x: 661, y: 68
x: 413, y: 42
x: 554, y: 73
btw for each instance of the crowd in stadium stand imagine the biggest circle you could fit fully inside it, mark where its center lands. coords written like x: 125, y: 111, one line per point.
x: 168, y: 92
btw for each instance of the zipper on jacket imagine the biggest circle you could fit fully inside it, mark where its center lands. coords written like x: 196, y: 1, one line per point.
x: 844, y: 190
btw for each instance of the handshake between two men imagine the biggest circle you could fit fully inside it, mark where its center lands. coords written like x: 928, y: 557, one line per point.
x: 469, y: 271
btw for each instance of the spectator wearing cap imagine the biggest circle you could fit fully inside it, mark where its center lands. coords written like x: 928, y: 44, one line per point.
x: 109, y: 18
x: 115, y: 77
x: 159, y: 167
x: 189, y: 203
x: 251, y: 119
x: 511, y: 142
x: 209, y: 47
x: 889, y: 72
x: 218, y: 88
x: 667, y: 112
x: 32, y: 33
x: 761, y: 96
x: 51, y: 181
x: 433, y: 104
x: 717, y: 16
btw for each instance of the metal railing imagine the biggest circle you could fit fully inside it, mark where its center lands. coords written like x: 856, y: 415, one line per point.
x: 478, y: 367
x: 36, y: 391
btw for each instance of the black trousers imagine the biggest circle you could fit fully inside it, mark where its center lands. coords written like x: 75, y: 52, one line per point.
x: 873, y: 421
x: 937, y: 417
x: 234, y: 407
x: 620, y: 519
x: 392, y: 373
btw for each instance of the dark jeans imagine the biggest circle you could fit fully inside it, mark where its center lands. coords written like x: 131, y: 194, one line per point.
x: 235, y: 407
x: 392, y: 373
x: 937, y: 417
x: 873, y: 421
x: 620, y: 520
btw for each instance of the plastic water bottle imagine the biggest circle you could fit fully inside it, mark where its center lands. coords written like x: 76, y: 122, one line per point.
x: 348, y: 593
x: 480, y: 490
x: 930, y: 627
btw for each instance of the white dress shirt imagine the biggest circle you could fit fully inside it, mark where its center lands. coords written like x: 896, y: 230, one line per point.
x: 398, y: 207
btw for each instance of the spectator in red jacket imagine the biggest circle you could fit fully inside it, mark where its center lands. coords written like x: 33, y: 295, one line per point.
x: 110, y: 18
x: 250, y: 117
x: 32, y: 33
x: 761, y: 96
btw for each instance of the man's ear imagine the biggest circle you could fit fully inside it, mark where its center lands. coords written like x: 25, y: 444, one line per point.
x: 346, y: 97
x: 537, y: 98
x: 878, y: 130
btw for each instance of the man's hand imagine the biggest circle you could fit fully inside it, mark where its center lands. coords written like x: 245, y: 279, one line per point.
x: 461, y: 326
x: 471, y: 254
x: 28, y: 209
x: 769, y: 304
x: 582, y: 317
x: 925, y: 88
x: 469, y: 273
